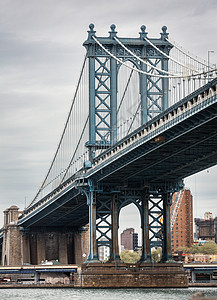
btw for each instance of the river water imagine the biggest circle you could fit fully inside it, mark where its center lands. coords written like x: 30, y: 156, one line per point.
x: 104, y: 294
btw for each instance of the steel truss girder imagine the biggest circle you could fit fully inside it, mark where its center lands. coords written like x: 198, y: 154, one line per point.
x: 103, y: 225
x: 155, y: 91
x: 159, y: 221
x: 102, y: 93
x: 156, y: 220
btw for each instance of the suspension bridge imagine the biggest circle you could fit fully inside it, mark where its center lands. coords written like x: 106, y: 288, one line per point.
x: 143, y: 118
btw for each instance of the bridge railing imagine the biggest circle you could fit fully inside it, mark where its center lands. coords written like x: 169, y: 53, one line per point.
x: 154, y: 127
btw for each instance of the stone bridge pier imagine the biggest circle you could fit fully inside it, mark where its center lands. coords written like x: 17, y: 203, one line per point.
x: 39, y: 244
x: 153, y: 203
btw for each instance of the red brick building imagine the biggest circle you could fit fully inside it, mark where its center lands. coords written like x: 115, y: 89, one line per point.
x: 182, y: 219
x: 129, y: 239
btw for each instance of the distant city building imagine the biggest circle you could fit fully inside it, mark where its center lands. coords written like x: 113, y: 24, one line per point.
x: 201, y: 258
x: 206, y: 229
x: 129, y: 239
x: 208, y: 216
x: 204, y: 258
x: 181, y: 219
x: 103, y: 252
x: 135, y: 241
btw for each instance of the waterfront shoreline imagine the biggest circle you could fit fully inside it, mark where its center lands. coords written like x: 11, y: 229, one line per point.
x: 202, y: 284
x: 18, y: 286
x: 35, y: 285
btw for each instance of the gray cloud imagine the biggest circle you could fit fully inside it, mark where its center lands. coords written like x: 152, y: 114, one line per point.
x: 41, y: 54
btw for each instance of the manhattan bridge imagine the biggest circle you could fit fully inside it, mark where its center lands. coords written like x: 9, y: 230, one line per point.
x: 143, y: 118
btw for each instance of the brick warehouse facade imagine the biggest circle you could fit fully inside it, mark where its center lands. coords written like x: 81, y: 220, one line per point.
x: 182, y: 219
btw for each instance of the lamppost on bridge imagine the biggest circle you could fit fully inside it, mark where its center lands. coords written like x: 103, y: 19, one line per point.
x: 209, y: 51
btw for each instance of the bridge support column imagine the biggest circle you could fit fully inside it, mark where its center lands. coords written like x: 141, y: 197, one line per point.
x: 146, y: 251
x: 165, y: 85
x: 92, y: 137
x: 115, y: 249
x: 93, y: 252
x: 11, y: 248
x: 193, y: 276
x: 166, y: 251
x: 37, y: 276
x: 113, y: 104
x: 25, y: 249
x: 63, y: 255
x: 41, y: 249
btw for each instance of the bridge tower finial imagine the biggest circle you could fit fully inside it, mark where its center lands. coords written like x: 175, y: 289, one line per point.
x: 91, y: 32
x: 112, y: 33
x: 164, y: 34
x: 143, y: 33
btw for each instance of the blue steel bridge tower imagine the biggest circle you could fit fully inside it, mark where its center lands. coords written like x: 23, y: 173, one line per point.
x: 105, y: 199
x: 103, y: 77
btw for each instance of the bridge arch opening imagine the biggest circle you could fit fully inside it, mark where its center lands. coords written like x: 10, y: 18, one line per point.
x: 130, y: 233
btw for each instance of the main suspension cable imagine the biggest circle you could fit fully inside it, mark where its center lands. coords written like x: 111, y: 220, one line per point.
x: 167, y: 56
x: 185, y: 53
x: 144, y: 62
x: 125, y: 90
x: 148, y: 74
x: 123, y: 63
x: 76, y: 148
x: 64, y: 130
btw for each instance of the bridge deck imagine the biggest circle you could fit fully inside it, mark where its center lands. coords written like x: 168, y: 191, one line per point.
x: 176, y: 144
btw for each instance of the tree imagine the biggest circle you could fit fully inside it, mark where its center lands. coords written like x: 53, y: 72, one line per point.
x: 207, y: 248
x: 129, y: 256
x: 156, y: 254
x: 195, y: 249
x: 183, y: 250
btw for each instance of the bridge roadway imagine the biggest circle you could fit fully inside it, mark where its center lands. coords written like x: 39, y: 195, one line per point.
x: 175, y: 144
x: 32, y: 269
x: 18, y: 277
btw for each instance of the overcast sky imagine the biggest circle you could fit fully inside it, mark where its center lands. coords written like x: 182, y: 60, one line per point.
x: 41, y: 54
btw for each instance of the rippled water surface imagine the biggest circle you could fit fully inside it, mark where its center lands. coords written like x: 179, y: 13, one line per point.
x: 111, y: 294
